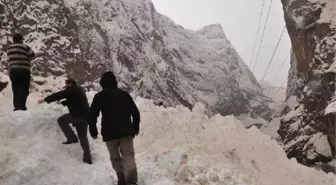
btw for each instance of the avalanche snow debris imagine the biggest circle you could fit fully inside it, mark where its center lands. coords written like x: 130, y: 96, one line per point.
x: 176, y: 147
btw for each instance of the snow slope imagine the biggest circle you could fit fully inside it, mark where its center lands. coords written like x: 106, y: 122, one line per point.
x: 176, y: 147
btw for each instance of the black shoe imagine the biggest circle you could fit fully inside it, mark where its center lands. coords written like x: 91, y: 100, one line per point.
x: 20, y: 109
x: 89, y: 161
x: 70, y: 142
x: 121, y: 178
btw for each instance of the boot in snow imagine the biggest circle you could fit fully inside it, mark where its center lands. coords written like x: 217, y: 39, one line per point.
x: 121, y: 178
x: 132, y: 177
x: 70, y: 142
x: 88, y: 161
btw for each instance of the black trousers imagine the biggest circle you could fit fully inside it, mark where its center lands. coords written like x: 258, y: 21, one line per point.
x: 20, y: 85
x: 81, y: 128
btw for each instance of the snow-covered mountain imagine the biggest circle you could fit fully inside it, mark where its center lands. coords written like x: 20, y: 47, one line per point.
x: 308, y: 126
x: 277, y: 94
x: 151, y: 55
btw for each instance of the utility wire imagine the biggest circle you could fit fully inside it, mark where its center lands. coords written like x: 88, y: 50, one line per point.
x: 262, y: 37
x: 284, y: 61
x: 258, y: 29
x: 276, y: 47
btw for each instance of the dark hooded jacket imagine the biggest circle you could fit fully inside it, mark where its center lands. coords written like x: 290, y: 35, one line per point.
x: 75, y: 100
x: 120, y: 115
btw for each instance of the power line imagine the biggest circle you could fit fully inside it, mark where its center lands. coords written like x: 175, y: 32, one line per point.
x: 262, y: 37
x: 284, y: 61
x: 258, y: 29
x: 276, y: 47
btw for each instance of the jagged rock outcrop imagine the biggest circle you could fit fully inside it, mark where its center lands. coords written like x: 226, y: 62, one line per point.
x: 308, y: 129
x: 151, y: 55
x: 295, y: 77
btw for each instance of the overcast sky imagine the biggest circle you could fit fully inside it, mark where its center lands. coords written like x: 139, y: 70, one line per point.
x: 239, y: 19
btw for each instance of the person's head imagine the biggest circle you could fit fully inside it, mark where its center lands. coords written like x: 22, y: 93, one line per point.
x: 108, y: 80
x: 70, y: 82
x: 18, y: 38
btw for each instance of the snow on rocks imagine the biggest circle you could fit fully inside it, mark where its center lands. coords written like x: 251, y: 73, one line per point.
x: 150, y: 55
x: 312, y: 80
x: 176, y: 146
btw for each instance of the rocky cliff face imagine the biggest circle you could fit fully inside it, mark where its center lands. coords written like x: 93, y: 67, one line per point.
x: 308, y: 129
x: 151, y: 55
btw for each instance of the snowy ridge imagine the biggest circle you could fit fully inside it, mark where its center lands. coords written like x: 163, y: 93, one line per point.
x: 151, y: 55
x: 31, y: 153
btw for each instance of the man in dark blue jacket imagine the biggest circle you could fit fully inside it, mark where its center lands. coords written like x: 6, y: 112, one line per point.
x: 120, y: 124
x: 77, y: 103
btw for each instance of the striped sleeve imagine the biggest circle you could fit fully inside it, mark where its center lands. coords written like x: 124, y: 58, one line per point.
x: 19, y: 56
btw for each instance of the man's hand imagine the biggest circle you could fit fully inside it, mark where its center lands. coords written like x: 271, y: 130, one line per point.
x: 41, y: 101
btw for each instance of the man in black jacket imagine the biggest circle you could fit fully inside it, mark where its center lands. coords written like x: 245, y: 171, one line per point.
x: 118, y: 129
x: 77, y: 103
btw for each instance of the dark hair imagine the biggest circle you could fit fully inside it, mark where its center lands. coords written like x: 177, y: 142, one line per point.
x: 71, y: 81
x: 17, y: 38
x: 108, y: 80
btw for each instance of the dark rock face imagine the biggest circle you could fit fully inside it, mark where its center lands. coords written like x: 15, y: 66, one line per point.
x: 308, y: 130
x: 151, y: 56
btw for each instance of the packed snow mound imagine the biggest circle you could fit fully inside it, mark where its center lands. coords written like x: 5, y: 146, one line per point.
x: 176, y: 147
x: 151, y: 55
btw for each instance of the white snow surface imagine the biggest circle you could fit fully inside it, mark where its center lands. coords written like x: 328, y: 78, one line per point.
x: 328, y: 15
x: 176, y: 147
x: 331, y: 108
x: 321, y: 145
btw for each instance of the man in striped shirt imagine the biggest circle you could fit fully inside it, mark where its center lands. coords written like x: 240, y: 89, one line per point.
x: 19, y: 58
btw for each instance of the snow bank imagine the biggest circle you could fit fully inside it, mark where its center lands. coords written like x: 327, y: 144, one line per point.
x: 176, y: 147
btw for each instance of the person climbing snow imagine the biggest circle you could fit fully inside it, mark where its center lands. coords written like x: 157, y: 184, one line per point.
x: 19, y: 58
x: 77, y: 103
x: 118, y: 129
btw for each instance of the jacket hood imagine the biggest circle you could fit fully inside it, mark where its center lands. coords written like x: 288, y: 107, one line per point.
x: 108, y: 80
x: 71, y: 81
